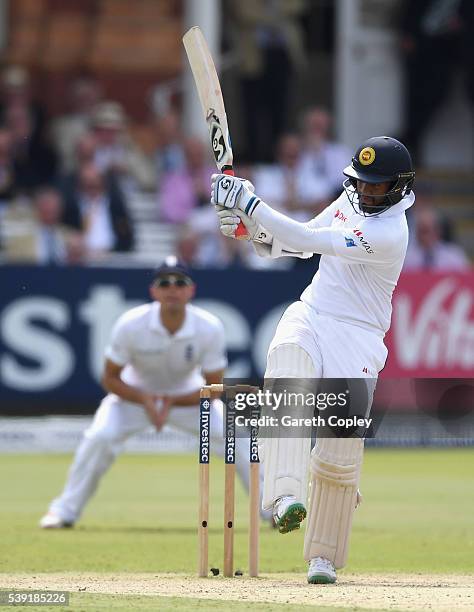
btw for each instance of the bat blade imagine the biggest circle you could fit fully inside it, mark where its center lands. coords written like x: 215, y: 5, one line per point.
x: 210, y: 96
x: 212, y: 104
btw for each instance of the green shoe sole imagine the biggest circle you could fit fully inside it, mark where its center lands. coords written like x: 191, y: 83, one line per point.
x: 290, y: 521
x: 321, y: 580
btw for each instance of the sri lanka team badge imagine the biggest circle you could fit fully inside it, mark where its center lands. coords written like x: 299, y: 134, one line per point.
x: 367, y: 156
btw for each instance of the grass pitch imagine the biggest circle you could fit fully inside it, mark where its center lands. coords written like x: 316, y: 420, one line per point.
x: 416, y: 518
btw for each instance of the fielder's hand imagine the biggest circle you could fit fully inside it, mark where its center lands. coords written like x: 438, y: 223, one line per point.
x: 157, y: 408
x: 233, y: 192
x: 229, y: 220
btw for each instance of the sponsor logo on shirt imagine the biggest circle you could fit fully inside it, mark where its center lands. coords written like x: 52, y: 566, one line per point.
x: 363, y: 241
x: 340, y: 216
x: 349, y: 242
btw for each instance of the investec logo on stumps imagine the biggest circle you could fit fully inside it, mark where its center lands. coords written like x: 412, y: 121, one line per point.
x: 230, y: 433
x: 254, y: 414
x: 204, y: 421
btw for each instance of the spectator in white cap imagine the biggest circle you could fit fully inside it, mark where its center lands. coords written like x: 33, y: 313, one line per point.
x: 115, y: 150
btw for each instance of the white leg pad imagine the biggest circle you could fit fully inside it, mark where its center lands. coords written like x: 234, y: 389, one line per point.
x: 335, y: 471
x: 286, y: 460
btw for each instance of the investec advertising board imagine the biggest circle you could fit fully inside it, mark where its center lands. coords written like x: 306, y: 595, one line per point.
x: 55, y: 323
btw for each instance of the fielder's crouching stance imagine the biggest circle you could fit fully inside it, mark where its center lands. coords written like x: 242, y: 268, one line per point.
x: 336, y: 330
x: 160, y: 355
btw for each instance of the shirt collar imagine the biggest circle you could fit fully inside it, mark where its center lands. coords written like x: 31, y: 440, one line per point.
x: 100, y: 201
x: 186, y: 330
x: 405, y: 203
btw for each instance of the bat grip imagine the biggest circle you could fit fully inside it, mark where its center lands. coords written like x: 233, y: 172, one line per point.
x: 241, y: 232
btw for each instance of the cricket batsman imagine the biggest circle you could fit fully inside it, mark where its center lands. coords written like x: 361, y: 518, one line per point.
x: 335, y: 330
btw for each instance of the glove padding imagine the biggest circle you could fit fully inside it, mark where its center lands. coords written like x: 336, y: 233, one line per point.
x: 233, y: 192
x: 229, y: 220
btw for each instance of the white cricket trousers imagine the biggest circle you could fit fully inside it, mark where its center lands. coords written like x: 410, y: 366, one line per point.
x: 114, y: 422
x: 308, y: 344
x: 337, y: 348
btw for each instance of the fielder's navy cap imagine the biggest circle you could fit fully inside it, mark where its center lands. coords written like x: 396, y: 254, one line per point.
x: 171, y: 265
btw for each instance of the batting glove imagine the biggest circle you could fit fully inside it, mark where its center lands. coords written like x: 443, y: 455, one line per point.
x: 229, y: 220
x: 233, y: 192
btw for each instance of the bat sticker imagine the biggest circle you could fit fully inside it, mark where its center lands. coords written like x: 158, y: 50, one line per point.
x: 217, y: 139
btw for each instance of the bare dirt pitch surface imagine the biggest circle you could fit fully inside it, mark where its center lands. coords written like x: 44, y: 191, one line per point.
x: 440, y: 593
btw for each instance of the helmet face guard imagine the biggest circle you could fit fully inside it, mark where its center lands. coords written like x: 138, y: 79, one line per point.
x: 399, y: 188
x: 379, y: 160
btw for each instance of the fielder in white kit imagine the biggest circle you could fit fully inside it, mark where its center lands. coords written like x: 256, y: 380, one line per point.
x: 159, y: 357
x: 336, y: 330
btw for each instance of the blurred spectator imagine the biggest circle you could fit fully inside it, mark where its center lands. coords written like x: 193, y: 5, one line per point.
x: 45, y: 240
x: 184, y: 190
x: 169, y: 155
x: 116, y: 153
x: 52, y: 237
x: 321, y: 157
x: 288, y: 185
x: 437, y: 37
x: 100, y: 213
x: 268, y: 38
x: 427, y: 251
x: 200, y: 246
x: 16, y: 92
x: 66, y: 130
x: 34, y: 161
x: 199, y: 251
x: 84, y: 154
x: 84, y: 150
x: 7, y: 170
x: 424, y: 199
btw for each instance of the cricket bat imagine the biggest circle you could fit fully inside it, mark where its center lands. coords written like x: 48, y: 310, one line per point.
x: 212, y: 104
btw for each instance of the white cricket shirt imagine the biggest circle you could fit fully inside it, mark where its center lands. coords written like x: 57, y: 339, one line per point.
x: 361, y: 258
x: 159, y: 362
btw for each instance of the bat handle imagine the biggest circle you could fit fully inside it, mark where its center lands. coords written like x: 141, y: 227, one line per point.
x: 241, y: 232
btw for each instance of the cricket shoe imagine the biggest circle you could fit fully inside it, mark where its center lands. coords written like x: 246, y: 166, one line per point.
x: 288, y: 513
x: 321, y: 571
x: 53, y: 521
